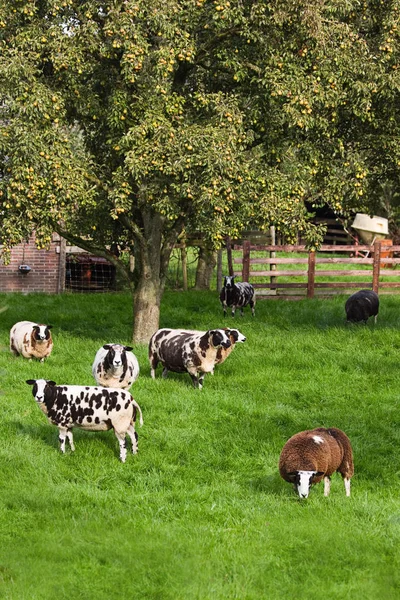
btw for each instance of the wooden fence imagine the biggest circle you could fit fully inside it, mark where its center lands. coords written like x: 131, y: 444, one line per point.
x: 377, y: 261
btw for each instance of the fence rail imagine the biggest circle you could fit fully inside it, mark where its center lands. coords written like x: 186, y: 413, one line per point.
x: 378, y: 260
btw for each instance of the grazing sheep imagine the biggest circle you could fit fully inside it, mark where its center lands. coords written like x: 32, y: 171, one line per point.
x: 235, y: 336
x: 115, y: 366
x: 309, y: 456
x: 32, y: 340
x: 362, y: 305
x: 181, y: 350
x: 88, y: 407
x: 237, y: 295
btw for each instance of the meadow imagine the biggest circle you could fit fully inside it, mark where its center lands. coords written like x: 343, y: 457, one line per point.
x: 201, y: 512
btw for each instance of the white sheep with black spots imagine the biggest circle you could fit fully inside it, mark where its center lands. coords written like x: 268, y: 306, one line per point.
x: 115, y: 366
x: 88, y: 407
x: 185, y: 350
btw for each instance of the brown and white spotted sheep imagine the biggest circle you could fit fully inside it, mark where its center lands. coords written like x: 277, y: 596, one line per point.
x: 88, y: 407
x: 235, y: 336
x: 31, y: 340
x: 237, y: 295
x: 311, y: 455
x: 115, y: 366
x: 181, y: 351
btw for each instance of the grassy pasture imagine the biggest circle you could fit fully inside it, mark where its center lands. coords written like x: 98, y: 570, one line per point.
x: 201, y: 512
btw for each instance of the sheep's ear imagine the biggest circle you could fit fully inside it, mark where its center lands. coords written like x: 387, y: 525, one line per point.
x: 319, y: 474
x: 292, y: 476
x: 31, y: 381
x: 128, y: 348
x: 49, y: 326
x: 107, y: 346
x: 51, y: 382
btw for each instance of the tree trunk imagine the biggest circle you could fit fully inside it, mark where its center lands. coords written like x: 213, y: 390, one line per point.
x: 205, y: 266
x: 146, y: 309
x: 151, y: 261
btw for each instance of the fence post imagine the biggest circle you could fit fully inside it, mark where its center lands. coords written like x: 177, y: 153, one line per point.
x: 246, y: 260
x: 229, y: 255
x: 272, y: 254
x: 311, y: 274
x: 376, y: 266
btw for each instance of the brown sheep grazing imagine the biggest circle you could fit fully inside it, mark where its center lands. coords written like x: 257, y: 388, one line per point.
x: 309, y: 456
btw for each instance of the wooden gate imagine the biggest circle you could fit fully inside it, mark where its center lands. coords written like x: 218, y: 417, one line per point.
x: 374, y: 264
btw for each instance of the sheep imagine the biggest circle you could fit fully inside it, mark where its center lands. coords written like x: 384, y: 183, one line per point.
x: 223, y: 353
x: 115, y: 366
x: 181, y: 350
x: 362, y: 305
x: 235, y: 336
x: 237, y: 295
x: 309, y: 456
x: 88, y: 407
x: 32, y: 340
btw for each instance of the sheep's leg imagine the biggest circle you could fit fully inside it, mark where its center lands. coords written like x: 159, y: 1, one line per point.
x: 134, y: 438
x: 253, y: 310
x: 62, y: 436
x: 122, y: 445
x: 327, y: 485
x: 241, y: 311
x: 194, y: 380
x: 233, y: 310
x: 375, y: 319
x: 153, y: 366
x: 165, y: 373
x: 71, y: 440
x: 347, y: 485
x: 224, y: 307
x: 201, y: 379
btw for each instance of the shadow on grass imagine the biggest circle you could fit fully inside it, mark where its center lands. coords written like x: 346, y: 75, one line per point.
x: 49, y: 436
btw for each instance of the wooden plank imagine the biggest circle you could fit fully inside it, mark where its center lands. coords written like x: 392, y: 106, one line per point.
x: 341, y: 272
x: 389, y: 284
x: 272, y: 297
x: 279, y: 273
x: 345, y: 284
x: 278, y: 285
x: 311, y: 275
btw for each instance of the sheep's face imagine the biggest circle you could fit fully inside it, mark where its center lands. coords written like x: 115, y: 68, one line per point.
x: 229, y: 281
x: 236, y: 336
x: 39, y: 388
x: 41, y: 332
x: 303, y: 482
x: 117, y: 354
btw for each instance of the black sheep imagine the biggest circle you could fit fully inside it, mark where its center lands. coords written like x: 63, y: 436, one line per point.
x: 237, y: 295
x: 362, y: 305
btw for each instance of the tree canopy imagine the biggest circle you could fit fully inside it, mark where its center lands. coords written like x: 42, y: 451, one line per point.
x: 124, y: 123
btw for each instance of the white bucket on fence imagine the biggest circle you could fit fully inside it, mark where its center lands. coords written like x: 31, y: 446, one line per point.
x: 370, y: 228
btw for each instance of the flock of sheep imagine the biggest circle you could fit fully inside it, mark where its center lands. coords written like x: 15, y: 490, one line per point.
x: 306, y: 458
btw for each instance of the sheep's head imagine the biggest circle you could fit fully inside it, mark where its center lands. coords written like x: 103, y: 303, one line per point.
x: 40, y: 388
x: 229, y: 281
x: 41, y: 332
x: 303, y: 480
x: 116, y: 356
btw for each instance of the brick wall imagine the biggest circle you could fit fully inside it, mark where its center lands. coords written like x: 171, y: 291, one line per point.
x: 47, y: 268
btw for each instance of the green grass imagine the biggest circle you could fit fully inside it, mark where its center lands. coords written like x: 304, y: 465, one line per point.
x: 201, y: 512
